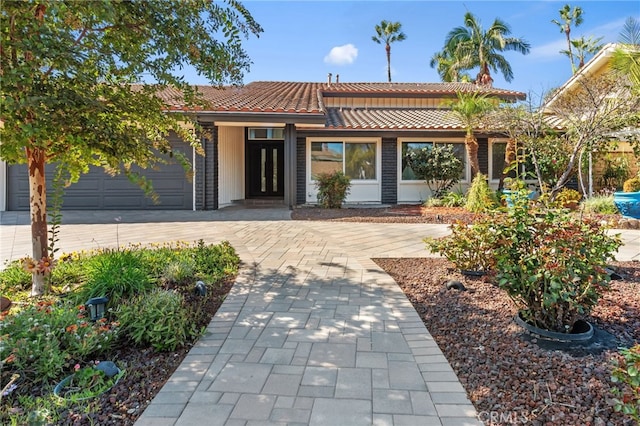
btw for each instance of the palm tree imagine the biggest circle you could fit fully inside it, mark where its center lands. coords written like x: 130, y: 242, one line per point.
x: 626, y: 58
x: 470, y: 109
x: 450, y: 65
x: 387, y: 33
x: 583, y: 47
x: 569, y: 16
x: 476, y: 47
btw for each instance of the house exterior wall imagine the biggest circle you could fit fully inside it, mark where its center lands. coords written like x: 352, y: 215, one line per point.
x: 231, y: 165
x: 389, y: 171
x: 301, y: 170
x: 206, y: 170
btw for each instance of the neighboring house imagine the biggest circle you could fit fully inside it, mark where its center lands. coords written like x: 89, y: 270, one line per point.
x: 267, y: 140
x: 604, y: 163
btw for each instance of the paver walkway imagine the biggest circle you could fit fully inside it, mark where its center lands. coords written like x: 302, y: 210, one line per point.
x: 313, y: 332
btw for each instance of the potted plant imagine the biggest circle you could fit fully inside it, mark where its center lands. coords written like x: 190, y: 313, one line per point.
x: 628, y: 201
x: 88, y: 382
x: 552, y: 265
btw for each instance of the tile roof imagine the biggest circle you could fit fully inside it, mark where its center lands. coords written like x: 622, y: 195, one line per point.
x: 417, y: 89
x: 392, y: 118
x: 305, y: 97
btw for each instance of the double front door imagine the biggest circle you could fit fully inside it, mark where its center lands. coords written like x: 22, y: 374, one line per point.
x: 265, y: 169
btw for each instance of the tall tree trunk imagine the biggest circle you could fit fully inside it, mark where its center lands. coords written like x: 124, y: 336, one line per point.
x: 567, y: 32
x: 472, y: 151
x: 36, y: 160
x: 388, y: 49
x: 509, y: 158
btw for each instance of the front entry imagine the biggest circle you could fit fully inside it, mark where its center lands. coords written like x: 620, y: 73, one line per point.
x: 265, y: 169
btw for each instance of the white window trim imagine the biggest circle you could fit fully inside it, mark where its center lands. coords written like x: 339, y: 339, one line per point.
x: 438, y: 140
x: 377, y: 141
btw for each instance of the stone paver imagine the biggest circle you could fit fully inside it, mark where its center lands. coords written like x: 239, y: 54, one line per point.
x: 313, y: 332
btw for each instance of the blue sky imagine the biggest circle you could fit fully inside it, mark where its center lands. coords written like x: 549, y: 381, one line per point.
x: 305, y: 40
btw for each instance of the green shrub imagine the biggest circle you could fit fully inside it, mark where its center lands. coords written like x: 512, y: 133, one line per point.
x: 437, y: 165
x: 551, y: 264
x: 215, y: 261
x: 454, y: 199
x: 41, y: 340
x: 333, y: 189
x: 480, y: 197
x: 600, y: 204
x: 116, y: 274
x: 568, y: 198
x: 158, y: 318
x: 434, y: 202
x: 631, y: 185
x: 70, y: 270
x: 179, y: 271
x: 469, y: 247
x: 626, y: 374
x: 14, y: 278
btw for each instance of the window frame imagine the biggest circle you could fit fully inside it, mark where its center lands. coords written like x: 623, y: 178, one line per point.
x: 377, y: 141
x: 269, y: 130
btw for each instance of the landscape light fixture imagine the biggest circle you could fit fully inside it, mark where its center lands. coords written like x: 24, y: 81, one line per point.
x: 96, y: 306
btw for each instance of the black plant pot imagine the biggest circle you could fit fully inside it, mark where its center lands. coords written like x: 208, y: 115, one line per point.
x: 580, y: 332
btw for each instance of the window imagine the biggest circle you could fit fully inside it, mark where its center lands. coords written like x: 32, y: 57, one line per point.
x: 498, y: 150
x: 356, y: 159
x: 266, y: 133
x: 409, y: 175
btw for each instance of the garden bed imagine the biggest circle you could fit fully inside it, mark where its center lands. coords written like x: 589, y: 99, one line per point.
x: 506, y: 374
x: 421, y: 214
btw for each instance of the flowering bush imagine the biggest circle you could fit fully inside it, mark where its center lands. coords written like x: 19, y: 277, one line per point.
x: 551, y: 264
x: 469, y: 247
x: 41, y: 340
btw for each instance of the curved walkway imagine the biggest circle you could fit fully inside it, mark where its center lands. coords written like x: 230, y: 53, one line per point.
x: 313, y: 331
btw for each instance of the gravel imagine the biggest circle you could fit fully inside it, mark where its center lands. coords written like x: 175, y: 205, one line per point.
x: 509, y: 378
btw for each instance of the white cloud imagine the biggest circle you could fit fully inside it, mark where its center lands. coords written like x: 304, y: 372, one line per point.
x: 342, y: 55
x: 550, y: 50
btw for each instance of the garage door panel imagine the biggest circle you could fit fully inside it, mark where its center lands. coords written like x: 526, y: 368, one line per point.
x: 99, y: 190
x: 88, y: 182
x: 81, y: 202
x: 128, y: 202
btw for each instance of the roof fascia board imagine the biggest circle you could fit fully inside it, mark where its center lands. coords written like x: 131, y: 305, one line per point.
x: 601, y: 59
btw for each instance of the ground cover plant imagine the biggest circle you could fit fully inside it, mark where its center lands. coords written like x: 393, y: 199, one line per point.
x: 154, y: 316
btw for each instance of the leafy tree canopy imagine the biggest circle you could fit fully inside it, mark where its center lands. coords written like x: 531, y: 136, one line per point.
x: 69, y: 89
x: 68, y: 69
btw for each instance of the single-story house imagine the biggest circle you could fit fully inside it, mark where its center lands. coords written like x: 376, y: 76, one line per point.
x: 267, y: 140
